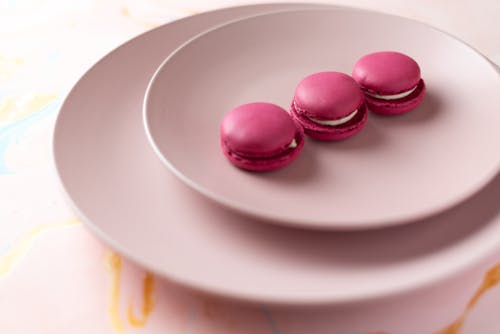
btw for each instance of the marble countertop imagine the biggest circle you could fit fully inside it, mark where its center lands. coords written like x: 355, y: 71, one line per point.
x: 54, y: 275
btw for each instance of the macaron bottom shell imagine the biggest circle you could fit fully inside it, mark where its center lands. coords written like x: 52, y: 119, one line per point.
x: 332, y: 133
x: 266, y: 164
x: 398, y: 106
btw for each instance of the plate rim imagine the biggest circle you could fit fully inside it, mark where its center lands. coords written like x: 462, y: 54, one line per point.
x: 474, y: 260
x: 266, y: 216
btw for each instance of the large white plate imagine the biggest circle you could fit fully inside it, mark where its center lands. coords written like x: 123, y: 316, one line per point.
x: 127, y: 197
x: 398, y: 169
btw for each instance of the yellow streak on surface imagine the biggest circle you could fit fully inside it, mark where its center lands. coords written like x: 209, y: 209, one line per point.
x: 14, y: 109
x: 114, y: 266
x: 148, y: 288
x: 6, y: 61
x: 490, y: 280
x: 454, y: 327
x: 8, y: 66
x: 6, y: 108
x: 125, y: 11
x: 8, y: 261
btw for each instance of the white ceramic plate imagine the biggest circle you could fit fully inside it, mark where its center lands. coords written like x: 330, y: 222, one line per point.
x: 396, y: 170
x: 124, y: 194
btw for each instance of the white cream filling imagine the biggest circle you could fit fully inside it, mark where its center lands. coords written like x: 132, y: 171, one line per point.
x: 392, y: 97
x: 293, y: 144
x: 335, y: 122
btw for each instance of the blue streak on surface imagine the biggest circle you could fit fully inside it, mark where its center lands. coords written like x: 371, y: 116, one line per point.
x: 270, y: 319
x: 193, y: 317
x: 12, y: 132
x: 4, y: 250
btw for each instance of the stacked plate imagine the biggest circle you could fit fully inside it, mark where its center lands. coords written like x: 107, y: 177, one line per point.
x: 410, y: 201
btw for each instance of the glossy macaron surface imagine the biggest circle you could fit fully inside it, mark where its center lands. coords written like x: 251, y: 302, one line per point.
x: 386, y: 72
x: 327, y: 96
x: 391, y: 82
x: 329, y: 105
x: 260, y: 136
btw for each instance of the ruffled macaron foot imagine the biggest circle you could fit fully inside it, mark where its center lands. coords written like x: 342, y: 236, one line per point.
x: 332, y: 133
x: 260, y: 137
x: 330, y: 106
x: 397, y: 106
x: 391, y: 82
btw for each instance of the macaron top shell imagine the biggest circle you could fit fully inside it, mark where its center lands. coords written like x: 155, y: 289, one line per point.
x: 327, y: 96
x: 386, y: 72
x: 258, y: 130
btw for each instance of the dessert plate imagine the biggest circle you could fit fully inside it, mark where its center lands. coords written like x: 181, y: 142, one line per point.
x: 125, y: 195
x: 398, y: 169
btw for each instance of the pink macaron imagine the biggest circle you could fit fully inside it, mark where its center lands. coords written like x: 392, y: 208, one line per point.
x: 391, y: 82
x: 260, y: 137
x: 329, y: 105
